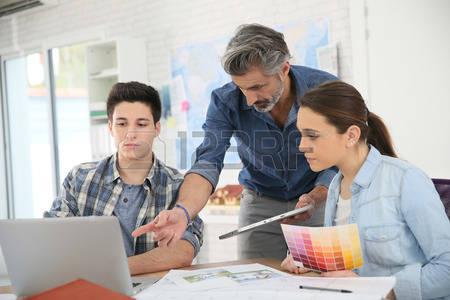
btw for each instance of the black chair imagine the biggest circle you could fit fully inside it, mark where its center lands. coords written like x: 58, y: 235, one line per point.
x: 443, y: 189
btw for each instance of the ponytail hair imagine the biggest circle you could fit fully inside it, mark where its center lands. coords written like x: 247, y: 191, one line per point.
x: 379, y: 136
x: 343, y: 106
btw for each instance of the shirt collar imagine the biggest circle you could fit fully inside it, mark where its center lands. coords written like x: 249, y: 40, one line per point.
x: 111, y: 174
x: 292, y: 116
x: 367, y: 171
x: 244, y: 105
x: 151, y: 177
x: 300, y: 84
x: 114, y: 175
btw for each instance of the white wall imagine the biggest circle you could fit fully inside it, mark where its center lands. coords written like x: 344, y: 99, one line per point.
x: 3, y: 200
x: 408, y: 63
x: 165, y: 25
x: 402, y: 66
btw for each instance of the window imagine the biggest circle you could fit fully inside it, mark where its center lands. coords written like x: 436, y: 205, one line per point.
x: 29, y: 113
x: 72, y: 107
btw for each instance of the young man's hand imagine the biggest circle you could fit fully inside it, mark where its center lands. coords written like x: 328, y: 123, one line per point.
x: 168, y: 227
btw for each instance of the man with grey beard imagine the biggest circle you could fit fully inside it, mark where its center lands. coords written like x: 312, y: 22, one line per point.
x: 259, y: 108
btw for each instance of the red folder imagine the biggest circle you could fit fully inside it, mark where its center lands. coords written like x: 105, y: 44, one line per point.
x: 79, y: 289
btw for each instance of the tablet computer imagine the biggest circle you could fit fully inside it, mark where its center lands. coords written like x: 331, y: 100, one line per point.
x: 266, y: 221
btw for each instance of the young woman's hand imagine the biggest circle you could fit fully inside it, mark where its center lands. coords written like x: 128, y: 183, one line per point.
x: 344, y: 273
x: 288, y: 265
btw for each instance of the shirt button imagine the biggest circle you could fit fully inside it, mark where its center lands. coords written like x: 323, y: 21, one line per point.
x: 125, y: 200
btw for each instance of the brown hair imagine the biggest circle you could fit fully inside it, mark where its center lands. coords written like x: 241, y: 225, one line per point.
x: 342, y: 105
x: 134, y: 91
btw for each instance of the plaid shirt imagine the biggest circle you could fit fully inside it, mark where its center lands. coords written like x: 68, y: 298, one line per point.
x: 93, y: 189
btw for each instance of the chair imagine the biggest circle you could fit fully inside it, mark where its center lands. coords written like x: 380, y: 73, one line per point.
x: 443, y: 189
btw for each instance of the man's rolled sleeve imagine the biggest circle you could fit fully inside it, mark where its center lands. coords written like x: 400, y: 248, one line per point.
x: 194, y: 234
x: 211, y: 152
x: 325, y: 177
x: 210, y: 171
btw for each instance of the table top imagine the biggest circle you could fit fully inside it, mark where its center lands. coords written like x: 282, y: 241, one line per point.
x: 273, y: 263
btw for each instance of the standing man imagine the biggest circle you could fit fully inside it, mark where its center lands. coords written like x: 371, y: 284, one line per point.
x: 259, y: 107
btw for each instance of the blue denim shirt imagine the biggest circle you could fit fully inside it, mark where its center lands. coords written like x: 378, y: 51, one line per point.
x: 402, y: 224
x: 272, y: 163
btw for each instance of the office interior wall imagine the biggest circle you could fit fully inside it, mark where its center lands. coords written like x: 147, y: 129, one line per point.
x: 406, y: 48
x: 401, y: 66
x: 166, y: 25
x: 3, y: 182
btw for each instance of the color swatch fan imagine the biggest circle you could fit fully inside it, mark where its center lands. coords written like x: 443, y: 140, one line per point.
x: 325, y: 248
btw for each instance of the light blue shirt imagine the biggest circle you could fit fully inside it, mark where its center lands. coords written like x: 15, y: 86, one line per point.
x: 127, y: 210
x: 403, y: 227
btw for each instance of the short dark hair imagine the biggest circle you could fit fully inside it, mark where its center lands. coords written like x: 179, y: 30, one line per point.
x: 134, y: 91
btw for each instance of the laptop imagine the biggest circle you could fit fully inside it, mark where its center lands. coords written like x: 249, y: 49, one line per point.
x: 44, y: 253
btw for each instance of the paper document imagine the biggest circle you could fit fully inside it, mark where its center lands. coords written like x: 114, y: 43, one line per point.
x: 369, y: 286
x: 259, y: 282
x: 213, y: 279
x: 231, y: 276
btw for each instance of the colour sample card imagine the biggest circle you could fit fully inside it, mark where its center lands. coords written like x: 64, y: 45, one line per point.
x: 325, y: 248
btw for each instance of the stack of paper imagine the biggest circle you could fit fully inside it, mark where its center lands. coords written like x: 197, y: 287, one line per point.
x: 256, y: 281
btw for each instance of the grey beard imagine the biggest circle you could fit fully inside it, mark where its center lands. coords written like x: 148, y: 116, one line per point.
x: 271, y: 103
x: 267, y: 108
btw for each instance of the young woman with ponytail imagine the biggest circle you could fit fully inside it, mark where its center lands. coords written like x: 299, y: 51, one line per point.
x: 403, y: 228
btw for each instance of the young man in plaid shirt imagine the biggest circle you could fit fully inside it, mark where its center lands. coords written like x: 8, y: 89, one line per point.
x: 132, y: 184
